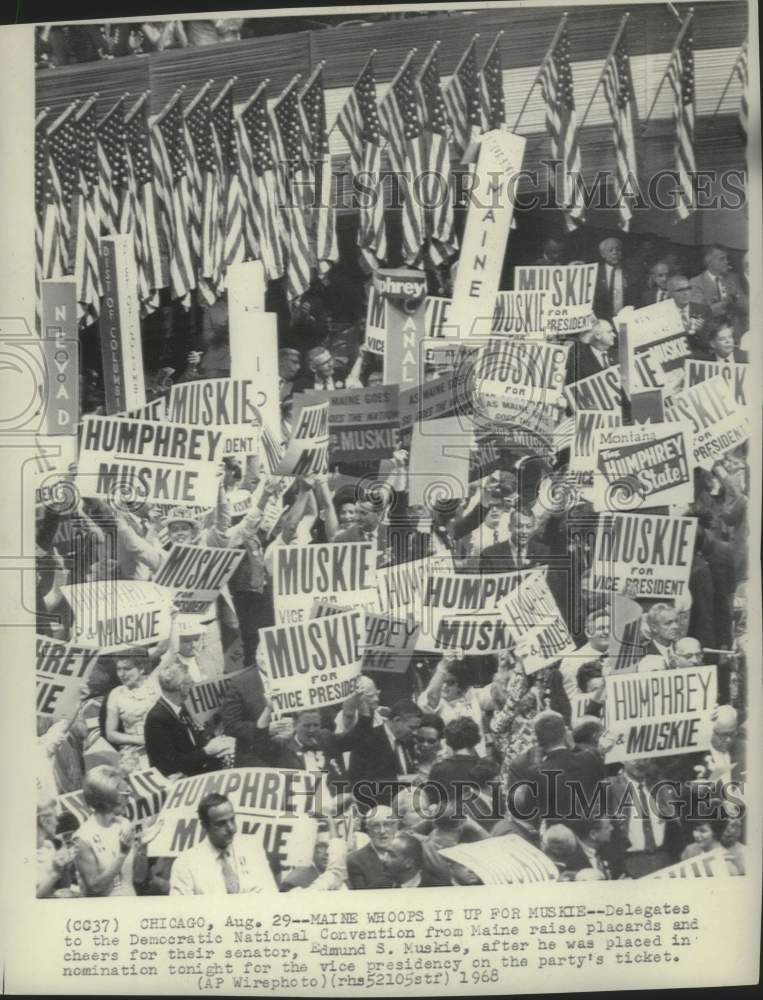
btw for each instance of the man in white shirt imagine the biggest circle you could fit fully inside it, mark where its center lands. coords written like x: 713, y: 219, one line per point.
x: 613, y: 289
x: 663, y: 627
x: 222, y: 862
x: 639, y: 816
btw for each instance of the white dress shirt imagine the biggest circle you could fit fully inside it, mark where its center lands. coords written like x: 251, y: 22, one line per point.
x: 615, y: 285
x: 635, y: 831
x: 199, y: 871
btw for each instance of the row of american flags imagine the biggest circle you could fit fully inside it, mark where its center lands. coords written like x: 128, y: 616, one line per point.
x: 200, y: 187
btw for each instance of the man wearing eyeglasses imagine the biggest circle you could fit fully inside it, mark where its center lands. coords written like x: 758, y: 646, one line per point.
x: 697, y: 318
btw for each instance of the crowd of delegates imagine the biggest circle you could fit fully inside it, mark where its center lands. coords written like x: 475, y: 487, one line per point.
x: 449, y: 720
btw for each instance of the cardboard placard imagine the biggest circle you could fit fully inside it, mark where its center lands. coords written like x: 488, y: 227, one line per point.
x: 718, y: 424
x: 601, y: 391
x: 196, y: 574
x: 307, y: 449
x: 507, y: 860
x: 540, y: 633
x: 650, y: 554
x: 149, y: 461
x: 363, y: 423
x: 735, y: 374
x: 61, y: 670
x: 661, y: 713
x: 567, y: 292
x: 342, y: 572
x: 119, y: 325
x: 113, y: 615
x: 232, y: 405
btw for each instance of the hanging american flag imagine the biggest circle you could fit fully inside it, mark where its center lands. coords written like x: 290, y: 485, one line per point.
x: 202, y: 193
x: 112, y: 168
x: 491, y: 87
x: 556, y: 85
x: 436, y: 192
x: 40, y: 165
x: 141, y: 208
x: 742, y: 73
x: 618, y: 90
x: 60, y: 180
x: 260, y: 185
x: 168, y: 155
x: 462, y: 99
x: 358, y: 122
x: 88, y: 216
x: 681, y: 79
x: 400, y: 122
x: 323, y: 221
x: 292, y: 156
x: 231, y: 210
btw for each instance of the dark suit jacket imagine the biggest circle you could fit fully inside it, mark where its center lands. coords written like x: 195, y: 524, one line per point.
x: 373, y: 760
x: 553, y: 774
x: 291, y: 755
x: 365, y: 870
x: 243, y: 704
x: 170, y: 747
x: 649, y: 297
x: 602, y: 300
x: 582, y: 362
x: 500, y: 558
x: 740, y: 357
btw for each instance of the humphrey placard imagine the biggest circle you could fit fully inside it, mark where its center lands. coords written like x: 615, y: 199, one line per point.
x: 60, y: 673
x: 111, y: 615
x: 313, y: 663
x: 582, y: 451
x: 536, y: 623
x: 267, y: 801
x: 307, y: 450
x: 400, y: 588
x: 567, y: 291
x: 148, y: 460
x: 718, y: 423
x: 649, y: 465
x: 196, y: 574
x: 340, y: 572
x: 661, y: 713
x: 650, y: 553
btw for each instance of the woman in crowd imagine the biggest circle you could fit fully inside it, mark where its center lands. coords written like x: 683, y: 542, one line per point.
x: 105, y: 843
x: 53, y: 859
x: 126, y: 709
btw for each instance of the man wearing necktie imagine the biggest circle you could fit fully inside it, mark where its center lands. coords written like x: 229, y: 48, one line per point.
x: 697, y: 318
x: 658, y: 284
x: 613, y: 288
x: 593, y: 351
x: 662, y: 621
x: 716, y: 286
x: 637, y: 813
x: 221, y: 863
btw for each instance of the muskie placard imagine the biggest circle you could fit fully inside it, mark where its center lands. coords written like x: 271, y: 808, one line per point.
x: 112, y: 615
x: 734, y: 373
x: 229, y: 404
x: 196, y: 574
x: 148, y: 792
x: 343, y: 572
x: 363, y: 423
x: 567, y: 292
x: 152, y: 461
x: 660, y: 713
x: 601, y: 391
x: 718, y: 423
x: 313, y: 663
x: 652, y: 553
x: 582, y: 448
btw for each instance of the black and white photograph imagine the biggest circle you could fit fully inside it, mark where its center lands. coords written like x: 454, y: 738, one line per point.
x: 380, y: 417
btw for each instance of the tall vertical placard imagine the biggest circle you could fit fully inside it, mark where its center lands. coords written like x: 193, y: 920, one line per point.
x: 60, y: 344
x: 253, y: 337
x: 119, y: 325
x: 486, y: 233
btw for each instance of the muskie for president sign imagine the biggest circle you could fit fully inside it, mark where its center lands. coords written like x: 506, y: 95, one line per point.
x: 718, y: 423
x: 149, y: 460
x: 565, y: 295
x: 196, y: 574
x: 651, y: 552
x: 661, y: 713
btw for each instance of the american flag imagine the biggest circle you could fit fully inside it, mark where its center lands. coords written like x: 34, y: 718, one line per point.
x: 260, y: 185
x: 231, y: 209
x: 462, y: 99
x: 681, y: 80
x: 438, y: 211
x: 556, y: 85
x: 88, y: 216
x: 400, y: 122
x: 291, y: 144
x: 618, y: 90
x: 741, y: 71
x: 40, y: 165
x: 202, y: 193
x: 323, y: 223
x: 112, y: 169
x: 141, y: 208
x: 60, y: 181
x: 168, y: 156
x: 358, y: 122
x: 491, y: 81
